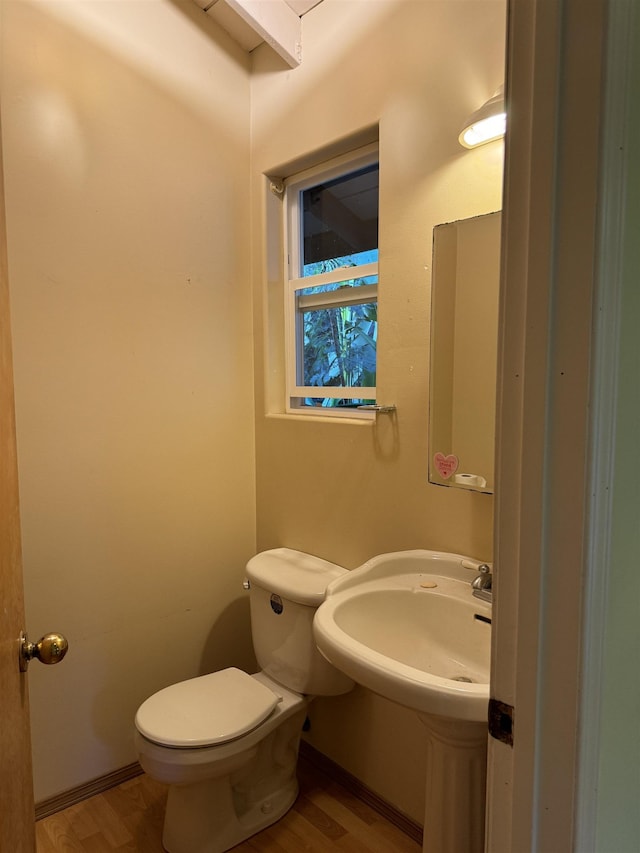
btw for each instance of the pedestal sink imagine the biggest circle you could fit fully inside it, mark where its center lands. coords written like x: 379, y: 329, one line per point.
x: 407, y: 626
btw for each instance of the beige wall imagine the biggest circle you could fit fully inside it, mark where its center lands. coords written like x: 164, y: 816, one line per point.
x: 126, y: 142
x: 346, y: 491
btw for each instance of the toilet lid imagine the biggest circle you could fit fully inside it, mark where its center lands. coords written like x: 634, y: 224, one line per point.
x: 207, y: 710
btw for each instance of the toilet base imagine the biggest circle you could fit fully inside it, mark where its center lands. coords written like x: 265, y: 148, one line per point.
x: 213, y: 815
x: 206, y: 828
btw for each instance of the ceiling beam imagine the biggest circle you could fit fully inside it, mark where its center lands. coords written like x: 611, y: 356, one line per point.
x: 276, y: 23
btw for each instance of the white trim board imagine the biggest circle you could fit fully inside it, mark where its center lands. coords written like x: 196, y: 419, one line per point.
x: 252, y: 22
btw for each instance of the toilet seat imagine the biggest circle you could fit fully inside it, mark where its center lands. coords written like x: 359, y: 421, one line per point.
x: 207, y: 710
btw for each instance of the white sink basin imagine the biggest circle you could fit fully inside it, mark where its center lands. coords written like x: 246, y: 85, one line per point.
x: 407, y: 626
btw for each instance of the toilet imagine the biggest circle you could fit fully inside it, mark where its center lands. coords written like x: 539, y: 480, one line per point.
x: 227, y: 743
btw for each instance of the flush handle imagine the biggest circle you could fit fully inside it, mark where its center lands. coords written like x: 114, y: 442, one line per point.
x: 49, y: 649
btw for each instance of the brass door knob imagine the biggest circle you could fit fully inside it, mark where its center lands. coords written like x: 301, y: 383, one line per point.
x: 49, y: 649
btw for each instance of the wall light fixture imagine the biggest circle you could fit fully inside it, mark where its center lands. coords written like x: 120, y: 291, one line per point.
x: 486, y: 124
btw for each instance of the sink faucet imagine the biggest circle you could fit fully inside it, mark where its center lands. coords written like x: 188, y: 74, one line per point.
x: 482, y: 583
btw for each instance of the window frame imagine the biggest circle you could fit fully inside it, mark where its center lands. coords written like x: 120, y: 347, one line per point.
x: 294, y: 186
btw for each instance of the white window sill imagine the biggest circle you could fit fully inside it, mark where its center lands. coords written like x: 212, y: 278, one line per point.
x: 361, y: 419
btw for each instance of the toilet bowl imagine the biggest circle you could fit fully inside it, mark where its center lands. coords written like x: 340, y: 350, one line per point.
x: 227, y: 743
x: 222, y: 793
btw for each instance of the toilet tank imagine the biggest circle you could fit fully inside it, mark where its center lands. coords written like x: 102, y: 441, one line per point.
x: 286, y: 589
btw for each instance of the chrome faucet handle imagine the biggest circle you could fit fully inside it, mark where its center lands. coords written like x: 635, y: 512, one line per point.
x: 484, y: 578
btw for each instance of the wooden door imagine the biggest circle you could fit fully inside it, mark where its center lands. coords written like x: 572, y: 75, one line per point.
x: 17, y: 826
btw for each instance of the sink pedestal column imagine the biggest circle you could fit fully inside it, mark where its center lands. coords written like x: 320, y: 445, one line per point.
x: 456, y: 785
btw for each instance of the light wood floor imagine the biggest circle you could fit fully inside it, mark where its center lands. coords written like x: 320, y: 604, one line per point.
x: 128, y: 819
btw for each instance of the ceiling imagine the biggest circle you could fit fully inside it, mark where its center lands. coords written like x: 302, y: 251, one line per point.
x: 252, y: 22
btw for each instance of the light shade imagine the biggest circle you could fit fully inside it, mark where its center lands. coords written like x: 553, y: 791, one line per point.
x: 486, y: 124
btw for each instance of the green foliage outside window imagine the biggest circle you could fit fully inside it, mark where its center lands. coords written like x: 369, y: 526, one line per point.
x: 339, y: 341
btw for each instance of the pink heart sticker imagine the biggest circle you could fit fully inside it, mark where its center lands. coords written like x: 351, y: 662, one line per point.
x: 446, y: 465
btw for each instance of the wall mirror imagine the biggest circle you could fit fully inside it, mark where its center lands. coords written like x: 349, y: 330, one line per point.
x: 464, y: 344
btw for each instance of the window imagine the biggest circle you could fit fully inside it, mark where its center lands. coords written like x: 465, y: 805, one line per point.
x: 331, y: 298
